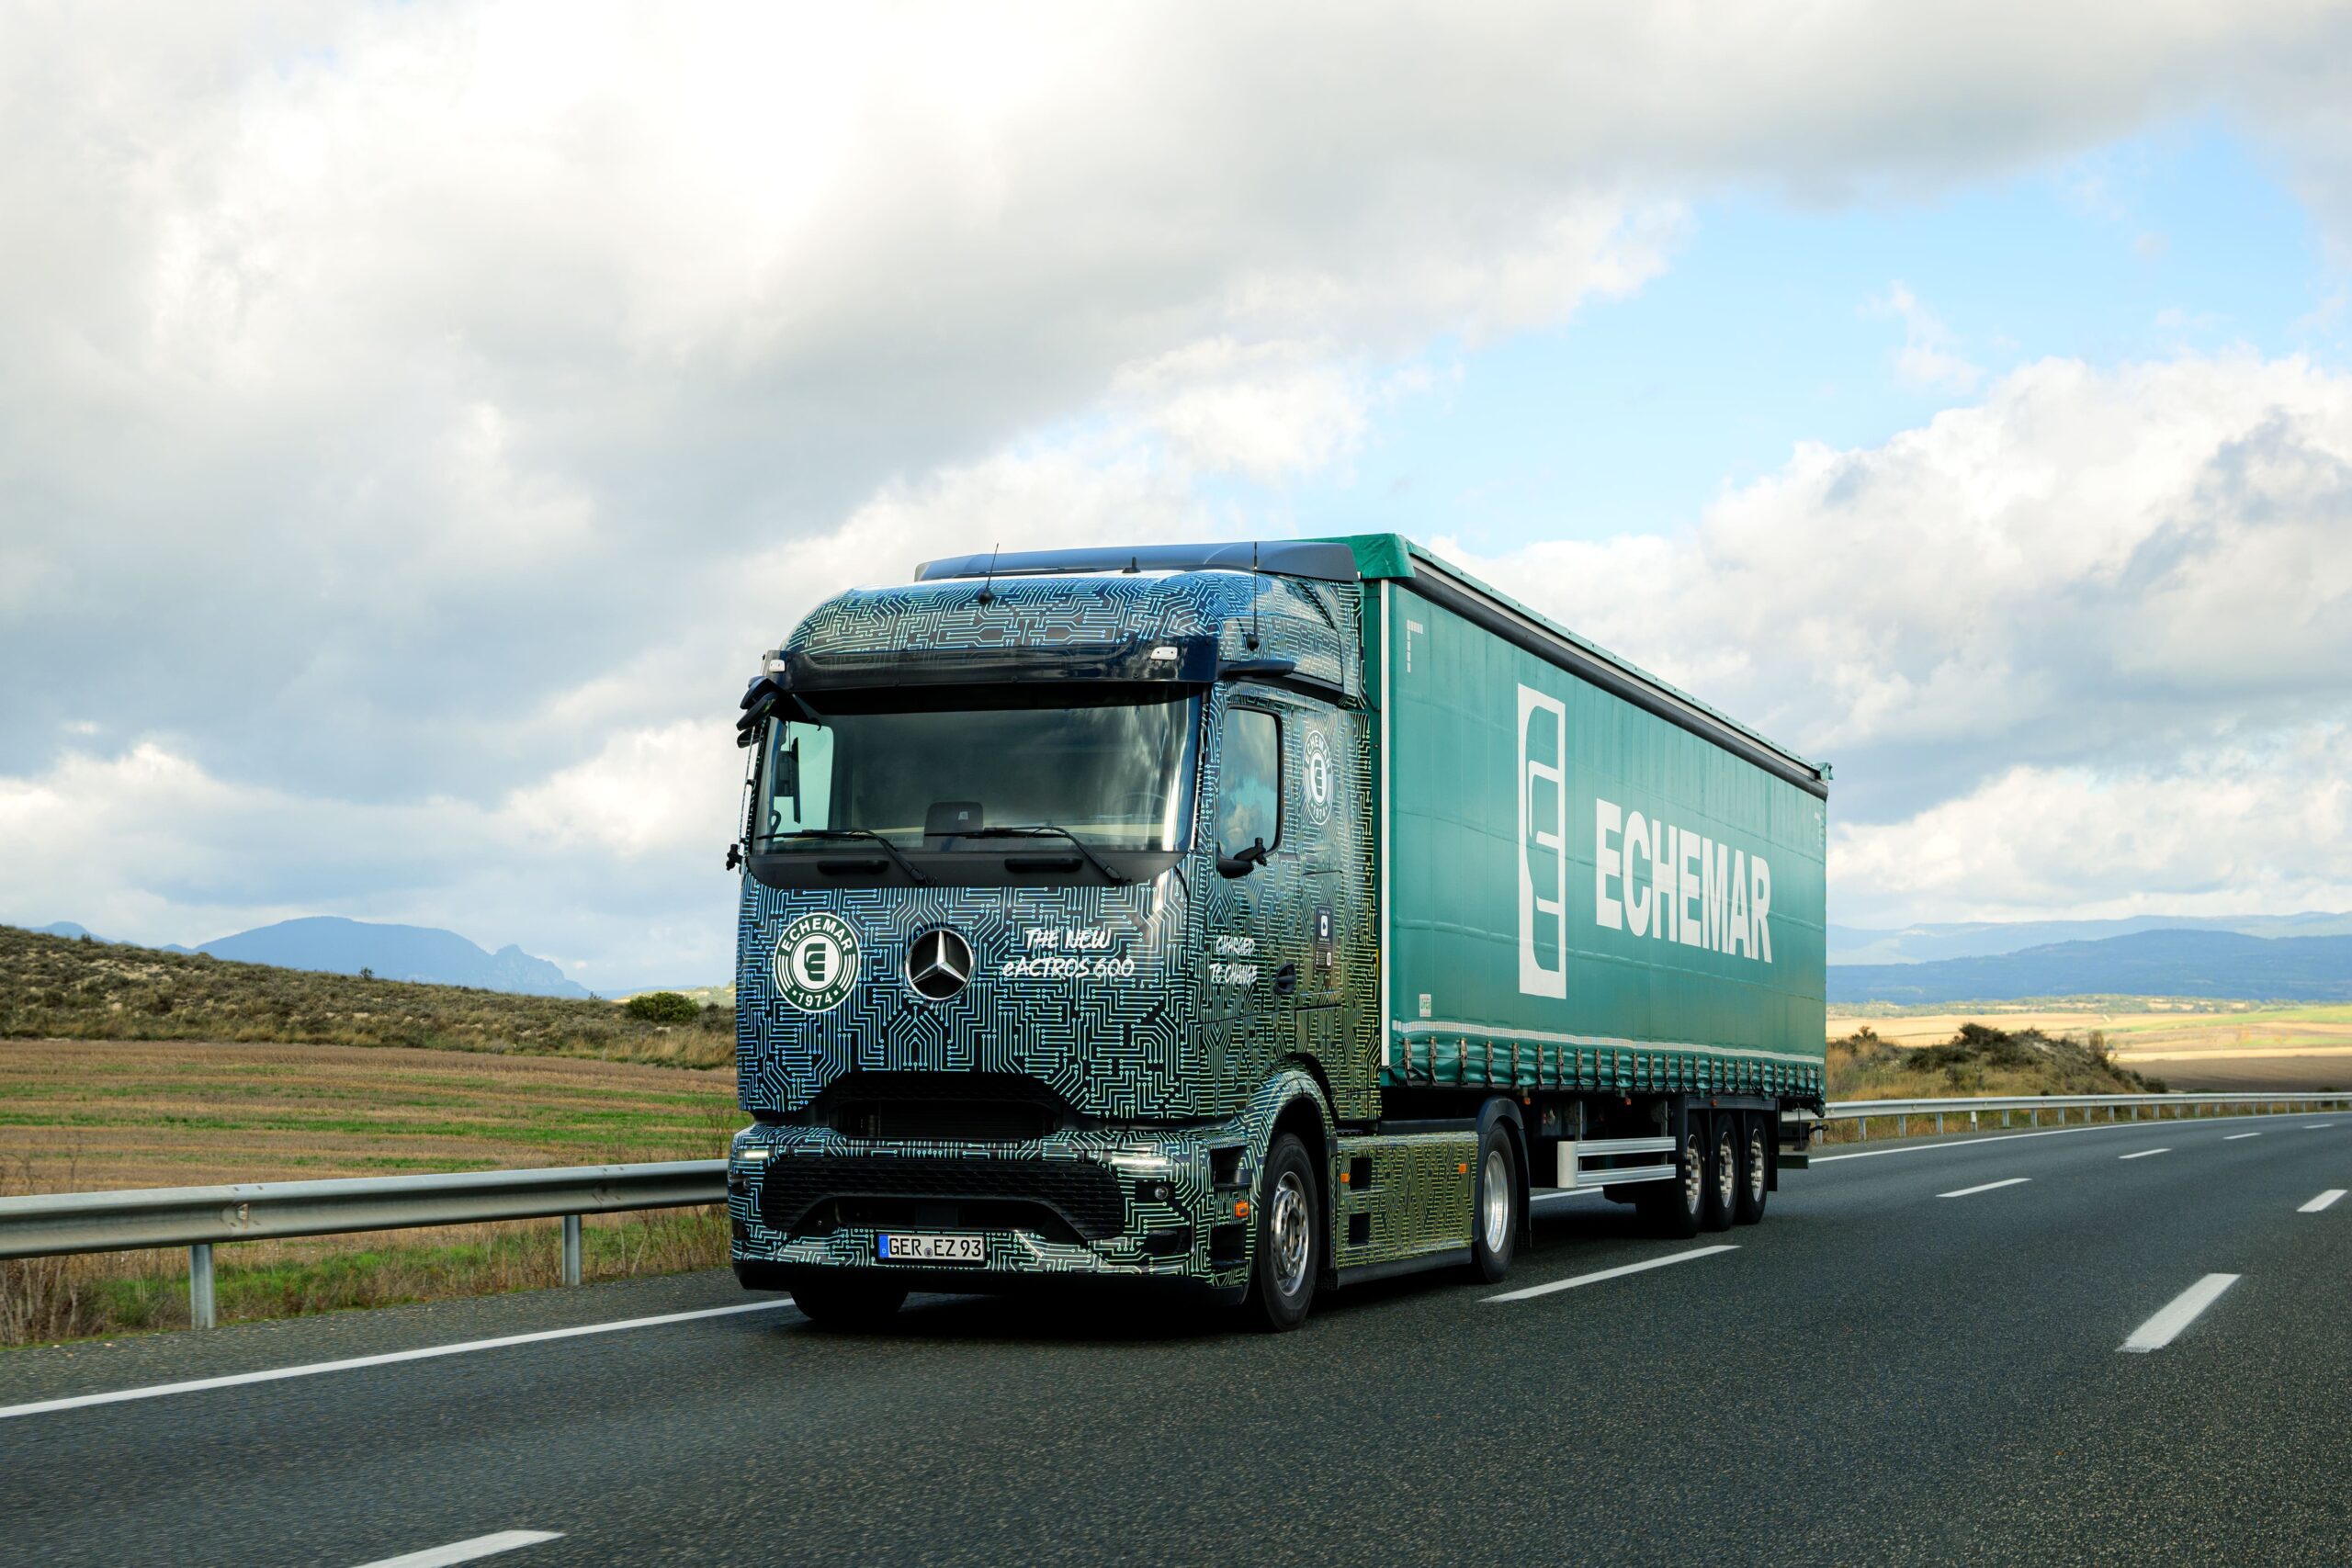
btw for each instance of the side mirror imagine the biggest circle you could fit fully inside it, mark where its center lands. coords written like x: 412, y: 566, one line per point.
x: 787, y: 777
x: 1243, y: 864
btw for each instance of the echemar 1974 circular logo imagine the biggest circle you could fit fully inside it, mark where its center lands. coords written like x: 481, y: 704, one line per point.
x: 815, y: 962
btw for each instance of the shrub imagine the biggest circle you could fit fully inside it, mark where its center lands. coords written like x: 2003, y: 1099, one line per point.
x: 662, y: 1007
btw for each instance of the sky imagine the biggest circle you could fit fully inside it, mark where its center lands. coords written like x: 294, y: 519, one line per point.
x: 415, y: 419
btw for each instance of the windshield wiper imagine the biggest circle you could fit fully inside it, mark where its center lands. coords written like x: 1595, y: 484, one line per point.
x: 1047, y: 830
x: 888, y: 847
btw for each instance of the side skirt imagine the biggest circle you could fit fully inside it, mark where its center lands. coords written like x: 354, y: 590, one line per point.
x: 1365, y: 1273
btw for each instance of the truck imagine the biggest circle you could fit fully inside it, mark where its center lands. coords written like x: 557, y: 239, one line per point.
x: 1243, y: 921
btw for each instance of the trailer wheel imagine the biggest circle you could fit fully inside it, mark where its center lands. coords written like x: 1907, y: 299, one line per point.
x: 1722, y: 1172
x: 1494, y: 1207
x: 1282, y: 1280
x: 837, y: 1301
x: 1677, y: 1209
x: 1755, y: 1170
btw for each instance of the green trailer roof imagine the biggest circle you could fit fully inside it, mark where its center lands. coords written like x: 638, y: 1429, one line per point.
x: 1393, y: 556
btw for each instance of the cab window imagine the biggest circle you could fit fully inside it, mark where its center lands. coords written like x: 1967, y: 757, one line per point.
x: 1250, y: 790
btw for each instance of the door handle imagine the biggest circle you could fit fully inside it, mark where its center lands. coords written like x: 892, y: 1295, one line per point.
x: 1286, y: 979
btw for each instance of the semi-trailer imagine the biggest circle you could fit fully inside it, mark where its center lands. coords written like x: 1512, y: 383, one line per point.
x: 1247, y: 921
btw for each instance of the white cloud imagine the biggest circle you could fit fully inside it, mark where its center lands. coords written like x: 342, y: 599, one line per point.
x: 424, y: 409
x: 1929, y: 356
x: 2240, y: 830
x: 2089, y: 578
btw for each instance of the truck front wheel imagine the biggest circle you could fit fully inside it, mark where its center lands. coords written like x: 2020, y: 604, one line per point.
x: 1494, y: 1209
x: 1281, y: 1282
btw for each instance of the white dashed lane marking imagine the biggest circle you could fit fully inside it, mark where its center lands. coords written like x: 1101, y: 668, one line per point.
x: 1986, y: 1186
x: 2179, y: 1314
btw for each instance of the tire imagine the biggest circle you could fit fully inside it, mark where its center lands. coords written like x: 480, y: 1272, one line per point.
x: 1723, y: 1171
x: 1494, y: 1204
x: 845, y: 1301
x: 1755, y: 1170
x: 1677, y: 1209
x: 1289, y: 1221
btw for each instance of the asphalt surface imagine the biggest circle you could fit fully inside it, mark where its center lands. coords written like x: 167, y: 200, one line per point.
x: 1876, y: 1373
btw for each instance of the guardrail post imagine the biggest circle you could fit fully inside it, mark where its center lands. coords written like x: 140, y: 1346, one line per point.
x: 571, y: 1250
x: 1940, y: 1123
x: 200, y: 1285
x: 2035, y: 1111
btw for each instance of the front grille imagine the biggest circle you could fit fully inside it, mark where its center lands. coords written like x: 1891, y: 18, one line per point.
x: 1085, y: 1195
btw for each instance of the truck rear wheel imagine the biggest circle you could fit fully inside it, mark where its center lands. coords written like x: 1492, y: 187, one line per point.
x: 1282, y: 1280
x: 1723, y: 1171
x: 1677, y: 1209
x: 843, y: 1301
x: 1494, y: 1206
x: 1755, y: 1170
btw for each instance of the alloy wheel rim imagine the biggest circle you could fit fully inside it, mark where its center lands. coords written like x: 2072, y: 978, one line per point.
x: 1694, y: 1173
x: 1290, y: 1231
x: 1756, y: 1165
x: 1495, y: 1199
x: 1728, y: 1177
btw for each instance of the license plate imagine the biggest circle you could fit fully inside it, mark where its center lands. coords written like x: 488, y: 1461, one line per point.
x: 930, y: 1248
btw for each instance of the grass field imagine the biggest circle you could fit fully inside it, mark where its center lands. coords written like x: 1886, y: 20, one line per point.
x: 2191, y: 1045
x: 80, y: 1115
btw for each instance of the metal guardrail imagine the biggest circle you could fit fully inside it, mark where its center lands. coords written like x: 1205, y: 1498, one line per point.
x: 1864, y: 1111
x: 47, y: 1224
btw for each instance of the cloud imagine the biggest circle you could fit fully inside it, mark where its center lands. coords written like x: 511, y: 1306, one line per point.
x: 422, y: 409
x: 2088, y: 578
x: 1927, y: 358
x: 2242, y: 831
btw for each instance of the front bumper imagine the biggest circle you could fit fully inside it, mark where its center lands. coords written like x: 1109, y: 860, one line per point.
x: 1135, y: 1204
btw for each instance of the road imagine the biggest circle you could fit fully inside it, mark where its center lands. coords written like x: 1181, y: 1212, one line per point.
x: 1879, y: 1372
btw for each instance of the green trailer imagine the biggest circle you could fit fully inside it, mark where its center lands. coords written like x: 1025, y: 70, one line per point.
x: 1246, y: 919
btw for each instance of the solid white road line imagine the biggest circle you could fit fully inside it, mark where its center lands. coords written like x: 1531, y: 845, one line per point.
x: 466, y: 1550
x: 2321, y: 1202
x: 2179, y: 1314
x: 156, y: 1390
x: 1610, y: 1274
x: 2234, y: 1137
x: 1987, y: 1187
x: 2143, y: 1154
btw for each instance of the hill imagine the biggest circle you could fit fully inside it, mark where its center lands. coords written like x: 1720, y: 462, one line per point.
x: 333, y: 946
x: 81, y: 989
x: 1980, y: 1061
x: 2155, y: 963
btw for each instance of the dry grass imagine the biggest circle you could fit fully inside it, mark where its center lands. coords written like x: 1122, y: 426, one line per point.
x: 92, y: 1115
x: 59, y: 988
x: 2194, y: 1045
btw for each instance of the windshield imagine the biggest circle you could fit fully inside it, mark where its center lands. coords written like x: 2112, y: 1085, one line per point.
x: 1117, y: 774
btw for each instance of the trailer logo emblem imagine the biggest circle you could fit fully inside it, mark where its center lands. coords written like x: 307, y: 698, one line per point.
x: 939, y: 965
x: 815, y: 962
x: 1318, y: 777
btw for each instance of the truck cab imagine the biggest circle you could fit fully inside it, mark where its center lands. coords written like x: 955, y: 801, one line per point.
x: 1060, y: 944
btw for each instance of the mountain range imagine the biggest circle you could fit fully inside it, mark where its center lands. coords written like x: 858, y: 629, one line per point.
x: 333, y: 946
x: 1975, y: 939
x: 2161, y: 963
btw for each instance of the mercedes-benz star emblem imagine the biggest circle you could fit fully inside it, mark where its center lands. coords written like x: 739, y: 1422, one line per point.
x: 939, y: 965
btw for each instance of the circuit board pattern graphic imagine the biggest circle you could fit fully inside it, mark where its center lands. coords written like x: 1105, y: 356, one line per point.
x: 1136, y: 1033
x: 1316, y: 624
x: 1418, y: 1198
